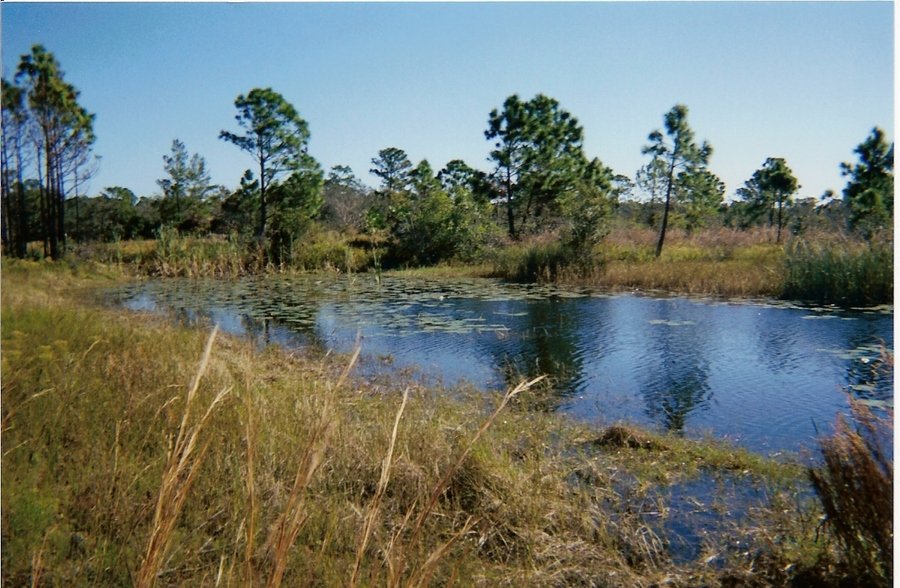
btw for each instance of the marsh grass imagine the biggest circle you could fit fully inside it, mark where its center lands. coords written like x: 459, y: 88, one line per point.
x: 311, y: 476
x: 330, y: 251
x: 543, y: 259
x: 718, y: 263
x: 855, y: 485
x: 847, y: 273
x: 820, y: 268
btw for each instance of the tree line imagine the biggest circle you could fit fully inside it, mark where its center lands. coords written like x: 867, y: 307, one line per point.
x: 541, y: 181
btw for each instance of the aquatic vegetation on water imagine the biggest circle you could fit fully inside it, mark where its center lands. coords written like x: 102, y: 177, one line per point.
x: 609, y: 357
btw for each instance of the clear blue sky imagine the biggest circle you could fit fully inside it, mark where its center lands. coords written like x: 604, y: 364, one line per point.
x: 804, y: 81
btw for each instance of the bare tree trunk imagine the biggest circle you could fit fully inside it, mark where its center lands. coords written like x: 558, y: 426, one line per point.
x: 22, y: 216
x: 8, y: 233
x: 510, y: 217
x: 665, y: 218
x: 261, y: 231
x: 60, y: 209
x: 780, y: 207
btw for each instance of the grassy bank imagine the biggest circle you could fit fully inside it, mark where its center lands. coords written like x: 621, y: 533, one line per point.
x: 727, y: 263
x: 817, y: 268
x: 137, y: 452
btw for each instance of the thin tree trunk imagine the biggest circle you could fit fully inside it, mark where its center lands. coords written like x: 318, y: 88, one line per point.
x: 52, y: 187
x: 61, y: 210
x: 22, y: 216
x: 22, y: 220
x: 8, y: 233
x: 510, y: 217
x: 780, y: 207
x: 261, y: 231
x: 665, y: 218
x: 42, y: 200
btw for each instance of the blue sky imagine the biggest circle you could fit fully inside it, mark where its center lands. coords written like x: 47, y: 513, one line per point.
x: 805, y: 81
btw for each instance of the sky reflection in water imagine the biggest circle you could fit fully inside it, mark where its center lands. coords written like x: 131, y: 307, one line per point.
x: 763, y: 376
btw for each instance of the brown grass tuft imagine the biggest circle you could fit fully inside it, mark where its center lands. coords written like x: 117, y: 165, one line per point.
x: 855, y: 486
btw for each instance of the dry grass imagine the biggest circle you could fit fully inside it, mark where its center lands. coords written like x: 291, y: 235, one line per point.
x: 723, y: 278
x: 375, y: 504
x: 294, y: 516
x: 182, y: 466
x: 855, y: 485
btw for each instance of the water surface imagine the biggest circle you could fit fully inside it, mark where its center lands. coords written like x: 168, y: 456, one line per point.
x: 766, y: 376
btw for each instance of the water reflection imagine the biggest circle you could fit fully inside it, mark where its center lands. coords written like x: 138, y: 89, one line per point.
x: 760, y: 375
x: 674, y: 381
x: 543, y: 341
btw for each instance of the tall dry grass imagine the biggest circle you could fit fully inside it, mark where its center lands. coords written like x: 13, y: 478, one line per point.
x: 855, y: 486
x: 182, y: 466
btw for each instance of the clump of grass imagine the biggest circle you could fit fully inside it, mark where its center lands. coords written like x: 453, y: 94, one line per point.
x: 847, y: 273
x: 543, y: 260
x: 182, y: 255
x: 855, y: 486
x: 327, y: 251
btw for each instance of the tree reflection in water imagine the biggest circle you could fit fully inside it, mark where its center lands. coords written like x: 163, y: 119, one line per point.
x: 675, y: 381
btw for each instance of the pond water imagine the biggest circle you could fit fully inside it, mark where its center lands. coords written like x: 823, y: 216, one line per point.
x: 765, y: 376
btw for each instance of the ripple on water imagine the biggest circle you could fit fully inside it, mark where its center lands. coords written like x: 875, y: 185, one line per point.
x: 755, y: 372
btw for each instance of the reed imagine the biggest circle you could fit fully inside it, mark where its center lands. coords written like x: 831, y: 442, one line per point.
x: 846, y: 273
x: 543, y: 260
x: 175, y: 254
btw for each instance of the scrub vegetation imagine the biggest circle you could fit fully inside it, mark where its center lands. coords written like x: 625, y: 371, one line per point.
x: 140, y: 452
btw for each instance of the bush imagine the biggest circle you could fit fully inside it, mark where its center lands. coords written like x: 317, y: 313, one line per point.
x: 332, y: 253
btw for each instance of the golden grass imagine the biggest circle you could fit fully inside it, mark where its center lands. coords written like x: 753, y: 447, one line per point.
x: 182, y: 466
x: 375, y: 504
x: 734, y: 277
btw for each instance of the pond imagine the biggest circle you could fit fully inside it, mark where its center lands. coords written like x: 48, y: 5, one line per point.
x: 767, y: 376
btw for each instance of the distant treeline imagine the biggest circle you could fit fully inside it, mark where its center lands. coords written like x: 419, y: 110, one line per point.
x: 542, y: 182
